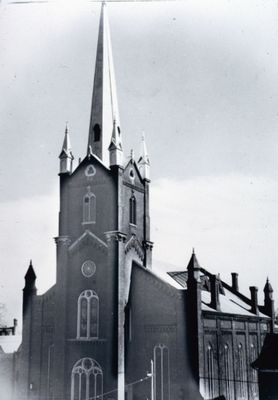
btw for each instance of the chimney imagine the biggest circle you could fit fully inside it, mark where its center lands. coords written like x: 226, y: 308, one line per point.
x: 254, y: 299
x: 214, y: 290
x: 235, y: 281
x: 14, y: 326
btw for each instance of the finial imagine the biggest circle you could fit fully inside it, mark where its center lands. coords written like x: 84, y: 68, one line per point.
x: 193, y: 250
x: 30, y: 264
x: 90, y: 151
x: 132, y: 154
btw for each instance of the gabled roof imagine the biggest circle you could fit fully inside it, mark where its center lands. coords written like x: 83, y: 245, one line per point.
x: 91, y: 158
x: 231, y: 301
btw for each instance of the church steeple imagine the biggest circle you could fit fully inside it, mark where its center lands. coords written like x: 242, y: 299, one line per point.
x: 104, y: 121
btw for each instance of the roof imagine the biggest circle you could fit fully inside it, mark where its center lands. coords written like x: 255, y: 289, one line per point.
x: 231, y: 300
x: 229, y: 304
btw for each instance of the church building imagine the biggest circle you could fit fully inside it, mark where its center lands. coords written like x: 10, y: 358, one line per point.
x: 111, y: 328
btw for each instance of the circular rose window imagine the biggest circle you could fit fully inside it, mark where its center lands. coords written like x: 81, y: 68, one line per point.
x: 90, y: 170
x: 88, y: 268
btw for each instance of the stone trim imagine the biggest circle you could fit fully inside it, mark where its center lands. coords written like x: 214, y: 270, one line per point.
x: 134, y: 243
x: 115, y: 235
x: 65, y: 240
x: 97, y: 242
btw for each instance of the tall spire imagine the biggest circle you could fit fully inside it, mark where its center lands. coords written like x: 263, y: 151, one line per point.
x: 104, y: 111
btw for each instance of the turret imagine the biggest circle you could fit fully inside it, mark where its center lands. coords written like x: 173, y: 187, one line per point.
x: 115, y: 148
x: 144, y: 161
x: 30, y: 287
x: 193, y: 269
x: 193, y: 311
x: 66, y: 156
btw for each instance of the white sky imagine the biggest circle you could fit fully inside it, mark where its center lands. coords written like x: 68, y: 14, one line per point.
x: 199, y: 77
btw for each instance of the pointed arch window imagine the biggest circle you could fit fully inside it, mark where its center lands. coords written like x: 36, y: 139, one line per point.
x: 96, y: 130
x: 132, y: 210
x: 210, y: 371
x: 228, y: 378
x: 254, y: 377
x: 242, y: 373
x: 89, y: 208
x: 88, y: 315
x: 86, y: 380
x: 161, y: 372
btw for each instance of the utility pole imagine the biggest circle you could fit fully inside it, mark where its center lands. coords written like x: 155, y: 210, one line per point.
x: 151, y: 375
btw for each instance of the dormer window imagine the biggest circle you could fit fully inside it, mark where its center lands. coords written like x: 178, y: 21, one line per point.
x: 132, y: 210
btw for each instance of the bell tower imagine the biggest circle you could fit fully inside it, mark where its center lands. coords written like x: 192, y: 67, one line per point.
x: 104, y: 226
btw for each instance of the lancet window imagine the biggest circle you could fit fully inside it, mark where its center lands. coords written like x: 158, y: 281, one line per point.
x: 132, y: 210
x: 228, y: 377
x: 210, y: 371
x: 254, y: 378
x: 89, y: 208
x: 88, y: 315
x: 96, y: 130
x: 242, y: 374
x: 86, y: 380
x: 161, y: 372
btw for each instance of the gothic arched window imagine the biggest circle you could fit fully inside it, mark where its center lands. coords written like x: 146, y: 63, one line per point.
x: 87, y: 315
x: 228, y: 378
x: 210, y: 371
x: 132, y: 210
x: 96, y: 130
x: 161, y: 372
x: 89, y: 208
x: 254, y: 377
x: 86, y: 380
x: 242, y: 373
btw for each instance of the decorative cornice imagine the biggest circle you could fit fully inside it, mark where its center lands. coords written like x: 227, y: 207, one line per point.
x: 65, y: 240
x: 135, y: 187
x: 148, y: 245
x: 115, y: 235
x: 134, y: 243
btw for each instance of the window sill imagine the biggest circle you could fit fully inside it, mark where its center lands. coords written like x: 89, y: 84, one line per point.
x: 88, y: 222
x: 87, y: 340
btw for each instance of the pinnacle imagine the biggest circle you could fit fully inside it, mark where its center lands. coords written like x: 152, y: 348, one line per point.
x: 30, y: 274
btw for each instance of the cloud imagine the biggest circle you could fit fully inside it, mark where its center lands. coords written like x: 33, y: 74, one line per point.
x: 28, y: 226
x: 231, y: 221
